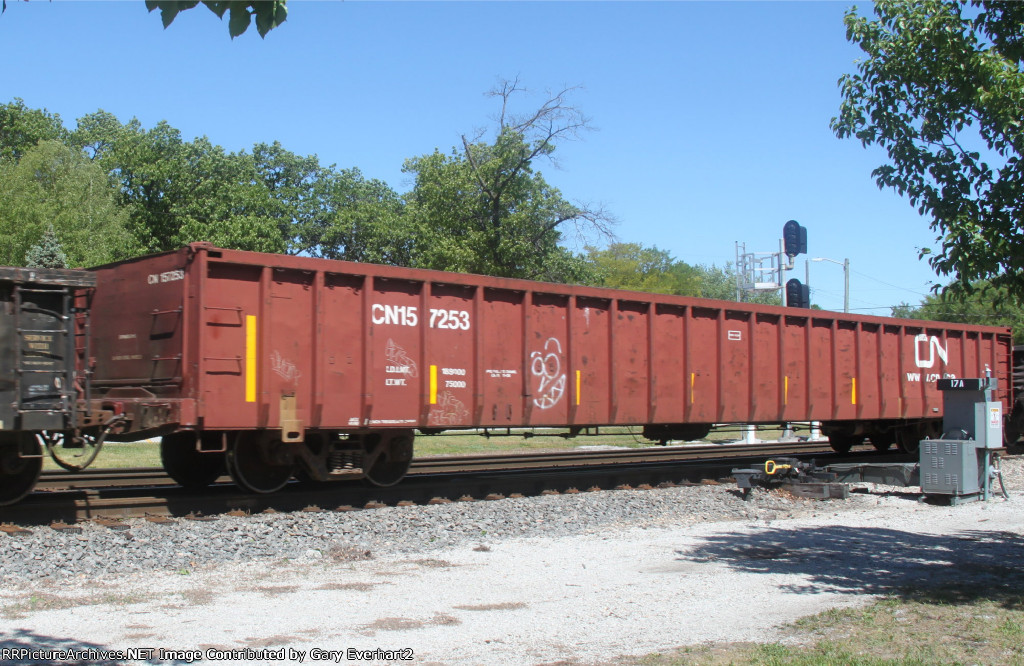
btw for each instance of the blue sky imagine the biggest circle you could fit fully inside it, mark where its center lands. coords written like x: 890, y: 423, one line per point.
x: 712, y: 117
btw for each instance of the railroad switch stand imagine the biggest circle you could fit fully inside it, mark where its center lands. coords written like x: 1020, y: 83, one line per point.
x: 798, y: 476
x: 958, y: 467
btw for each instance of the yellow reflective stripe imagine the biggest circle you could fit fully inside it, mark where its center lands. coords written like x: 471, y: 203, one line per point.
x: 693, y: 378
x: 250, y: 358
x: 785, y: 398
x: 433, y: 384
x: 853, y: 391
x: 577, y: 387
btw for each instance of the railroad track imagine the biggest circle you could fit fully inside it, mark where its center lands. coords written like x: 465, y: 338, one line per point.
x: 155, y: 476
x: 118, y: 493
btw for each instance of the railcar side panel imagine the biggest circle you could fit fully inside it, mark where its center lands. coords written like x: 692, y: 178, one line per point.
x: 766, y: 360
x: 287, y: 341
x: 451, y: 319
x: 296, y: 343
x: 845, y: 355
x: 733, y: 372
x: 793, y: 378
x: 884, y: 367
x: 501, y: 383
x: 230, y: 318
x: 630, y: 362
x: 547, y: 369
x: 342, y: 322
x: 140, y: 312
x: 592, y: 377
x: 702, y: 352
x: 820, y: 375
x: 395, y: 358
x: 667, y: 363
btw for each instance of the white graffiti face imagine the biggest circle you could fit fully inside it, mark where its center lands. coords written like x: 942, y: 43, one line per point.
x: 398, y: 361
x: 546, y: 365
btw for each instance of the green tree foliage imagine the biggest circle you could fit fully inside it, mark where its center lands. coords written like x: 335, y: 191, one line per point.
x: 985, y: 305
x: 481, y: 210
x: 368, y: 222
x: 484, y: 208
x: 298, y: 202
x: 47, y: 253
x: 216, y: 196
x: 177, y: 192
x: 56, y: 187
x: 324, y: 212
x: 22, y: 128
x: 632, y: 266
x: 942, y: 91
x: 272, y: 200
x: 269, y: 14
x: 720, y: 283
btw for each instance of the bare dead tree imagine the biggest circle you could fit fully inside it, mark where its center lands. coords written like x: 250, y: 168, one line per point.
x: 555, y: 120
x: 496, y: 168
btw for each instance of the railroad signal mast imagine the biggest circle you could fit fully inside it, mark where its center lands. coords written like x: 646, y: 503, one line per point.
x: 766, y: 271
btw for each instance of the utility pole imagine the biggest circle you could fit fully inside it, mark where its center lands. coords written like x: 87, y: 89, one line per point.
x: 845, y: 263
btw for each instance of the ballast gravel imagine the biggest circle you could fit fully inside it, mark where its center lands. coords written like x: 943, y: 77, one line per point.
x: 575, y: 578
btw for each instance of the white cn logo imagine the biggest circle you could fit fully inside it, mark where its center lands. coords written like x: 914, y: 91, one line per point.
x: 933, y: 346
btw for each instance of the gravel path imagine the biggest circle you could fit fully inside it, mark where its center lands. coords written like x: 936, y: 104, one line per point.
x: 581, y: 578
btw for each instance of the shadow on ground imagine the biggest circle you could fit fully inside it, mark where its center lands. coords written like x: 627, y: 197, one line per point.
x: 957, y: 568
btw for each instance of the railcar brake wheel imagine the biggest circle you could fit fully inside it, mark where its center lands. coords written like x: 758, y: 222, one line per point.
x: 251, y: 465
x: 388, y: 462
x: 188, y: 467
x: 18, y: 475
x: 72, y: 455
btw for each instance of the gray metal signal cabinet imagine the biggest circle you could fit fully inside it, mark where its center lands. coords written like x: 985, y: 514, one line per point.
x: 959, y: 464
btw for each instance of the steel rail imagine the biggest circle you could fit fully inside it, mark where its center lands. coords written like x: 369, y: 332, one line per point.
x: 436, y: 478
x: 155, y: 476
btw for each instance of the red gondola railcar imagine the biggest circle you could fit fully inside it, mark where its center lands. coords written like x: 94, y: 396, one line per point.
x: 286, y: 361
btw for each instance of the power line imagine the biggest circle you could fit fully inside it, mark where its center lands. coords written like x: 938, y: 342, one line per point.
x: 889, y: 284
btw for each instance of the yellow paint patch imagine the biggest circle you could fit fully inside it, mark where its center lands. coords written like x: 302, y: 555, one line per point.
x: 250, y: 358
x: 433, y: 384
x: 853, y: 391
x: 577, y: 387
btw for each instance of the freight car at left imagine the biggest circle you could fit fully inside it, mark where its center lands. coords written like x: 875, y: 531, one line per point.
x: 43, y: 335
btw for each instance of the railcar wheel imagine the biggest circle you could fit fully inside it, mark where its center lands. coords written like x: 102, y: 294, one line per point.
x: 189, y: 468
x: 252, y: 464
x: 1014, y: 425
x: 388, y: 460
x: 72, y: 455
x: 908, y: 439
x: 841, y: 443
x: 908, y: 444
x: 18, y: 475
x: 883, y: 440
